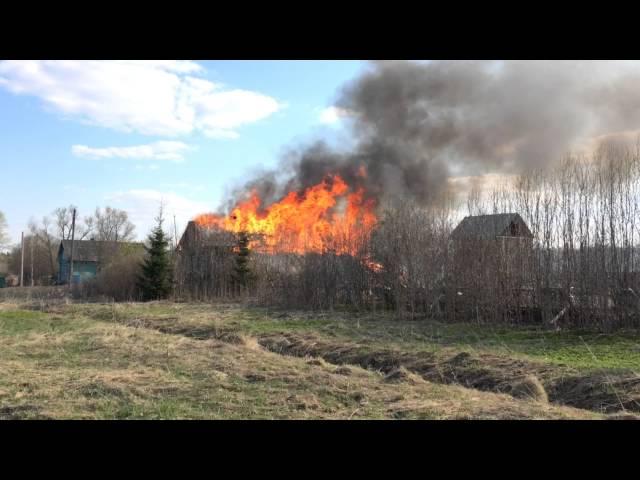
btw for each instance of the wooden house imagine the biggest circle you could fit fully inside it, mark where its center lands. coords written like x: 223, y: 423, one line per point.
x: 88, y: 257
x: 497, y: 245
x: 491, y: 262
x: 204, y: 262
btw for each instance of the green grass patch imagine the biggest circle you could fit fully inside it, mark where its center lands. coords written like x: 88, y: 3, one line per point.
x: 20, y: 322
x: 581, y: 350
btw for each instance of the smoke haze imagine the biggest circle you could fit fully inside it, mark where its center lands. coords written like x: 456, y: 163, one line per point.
x: 417, y: 125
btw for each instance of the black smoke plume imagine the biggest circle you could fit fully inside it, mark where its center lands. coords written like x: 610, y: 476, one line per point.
x: 417, y: 124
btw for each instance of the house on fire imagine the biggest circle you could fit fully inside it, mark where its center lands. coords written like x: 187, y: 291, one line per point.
x: 197, y: 236
x: 88, y: 257
x: 204, y: 261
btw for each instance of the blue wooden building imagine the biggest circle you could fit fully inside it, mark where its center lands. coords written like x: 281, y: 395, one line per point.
x: 88, y: 257
x: 3, y: 272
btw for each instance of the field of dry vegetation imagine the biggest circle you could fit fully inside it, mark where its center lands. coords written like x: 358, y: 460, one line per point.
x: 199, y: 361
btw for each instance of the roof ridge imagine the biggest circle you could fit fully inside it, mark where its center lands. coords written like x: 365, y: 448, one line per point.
x: 491, y: 214
x: 98, y: 241
x: 487, y: 225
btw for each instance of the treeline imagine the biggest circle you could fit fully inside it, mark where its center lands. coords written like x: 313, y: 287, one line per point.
x: 42, y: 239
x: 125, y: 271
x: 399, y: 266
x: 583, y: 268
x: 584, y: 215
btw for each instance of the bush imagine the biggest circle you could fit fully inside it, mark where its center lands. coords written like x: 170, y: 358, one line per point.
x: 116, y: 281
x: 119, y: 279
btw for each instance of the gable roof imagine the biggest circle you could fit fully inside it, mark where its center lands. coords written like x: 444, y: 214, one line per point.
x: 195, y: 234
x: 92, y: 250
x: 488, y: 227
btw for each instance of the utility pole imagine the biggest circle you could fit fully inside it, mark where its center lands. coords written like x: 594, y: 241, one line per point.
x: 73, y: 233
x: 175, y: 234
x: 31, y: 245
x: 22, y: 261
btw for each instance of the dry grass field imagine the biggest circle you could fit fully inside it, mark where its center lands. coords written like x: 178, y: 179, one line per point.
x: 167, y: 360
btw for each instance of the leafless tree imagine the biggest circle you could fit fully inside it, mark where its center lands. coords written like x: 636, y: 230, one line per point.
x: 4, y: 237
x: 582, y: 213
x: 63, y: 222
x: 44, y: 240
x: 112, y: 225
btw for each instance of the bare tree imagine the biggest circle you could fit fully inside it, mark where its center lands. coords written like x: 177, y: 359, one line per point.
x: 63, y: 216
x: 474, y: 199
x: 45, y: 241
x: 112, y: 225
x: 4, y: 237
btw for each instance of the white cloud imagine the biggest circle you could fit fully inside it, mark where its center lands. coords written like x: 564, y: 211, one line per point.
x: 332, y: 115
x: 163, y: 150
x: 148, y: 97
x: 142, y: 206
x: 178, y: 66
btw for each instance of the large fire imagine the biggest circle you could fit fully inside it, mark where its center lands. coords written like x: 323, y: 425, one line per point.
x: 329, y: 216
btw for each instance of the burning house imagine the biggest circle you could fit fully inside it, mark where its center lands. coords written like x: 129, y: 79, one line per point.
x: 204, y: 261
x: 286, y: 237
x: 328, y: 216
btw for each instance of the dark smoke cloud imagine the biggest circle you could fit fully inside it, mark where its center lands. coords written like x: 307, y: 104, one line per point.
x: 418, y: 124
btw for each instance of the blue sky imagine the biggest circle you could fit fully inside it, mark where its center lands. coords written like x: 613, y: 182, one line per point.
x: 127, y: 134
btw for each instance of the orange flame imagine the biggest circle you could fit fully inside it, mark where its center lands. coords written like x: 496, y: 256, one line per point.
x: 326, y: 216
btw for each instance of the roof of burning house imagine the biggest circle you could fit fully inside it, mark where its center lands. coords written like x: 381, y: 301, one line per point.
x: 488, y: 227
x: 197, y: 235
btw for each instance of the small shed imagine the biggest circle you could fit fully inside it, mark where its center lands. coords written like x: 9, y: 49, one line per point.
x: 488, y: 246
x: 491, y: 227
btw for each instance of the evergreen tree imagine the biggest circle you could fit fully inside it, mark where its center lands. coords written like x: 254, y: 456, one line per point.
x: 155, y: 281
x: 241, y: 271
